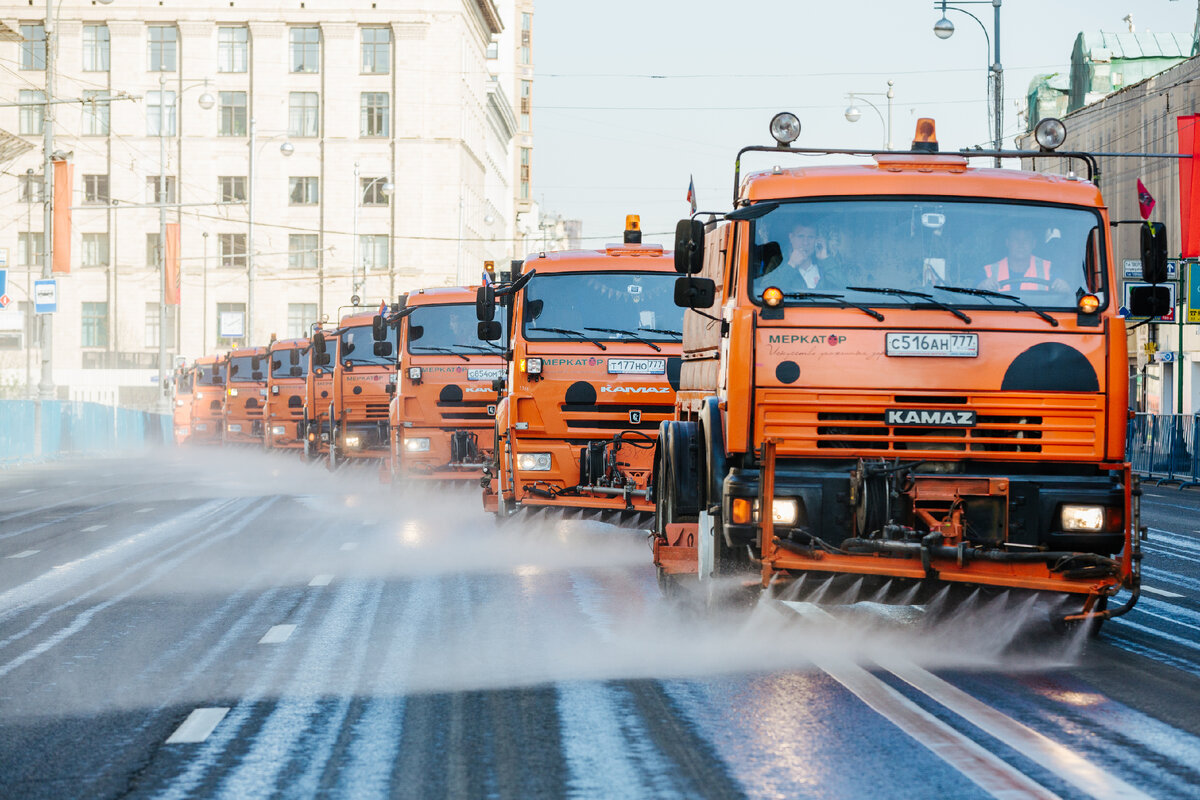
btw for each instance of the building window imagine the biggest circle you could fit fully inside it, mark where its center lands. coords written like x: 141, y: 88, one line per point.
x: 373, y: 251
x: 32, y: 188
x: 95, y: 48
x: 373, y: 193
x: 232, y: 49
x: 232, y: 188
x: 232, y: 114
x: 152, y: 250
x: 95, y: 189
x: 152, y: 320
x: 302, y: 251
x: 95, y: 250
x: 526, y: 105
x: 95, y: 113
x: 374, y: 120
x: 163, y: 41
x: 33, y: 46
x: 232, y: 250
x: 303, y: 192
x: 155, y: 194
x: 29, y: 249
x: 525, y: 157
x: 303, y: 114
x: 300, y: 317
x: 376, y: 49
x: 33, y: 112
x: 160, y: 106
x: 493, y: 51
x: 306, y: 49
x: 94, y: 331
x: 231, y: 319
x: 526, y: 37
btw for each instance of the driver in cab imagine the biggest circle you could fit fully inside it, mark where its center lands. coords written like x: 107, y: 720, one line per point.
x: 1021, y: 262
x: 801, y: 271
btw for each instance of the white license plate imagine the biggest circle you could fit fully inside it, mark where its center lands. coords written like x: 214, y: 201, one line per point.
x: 935, y: 345
x: 637, y: 366
x: 485, y: 374
x: 201, y: 426
x: 235, y: 428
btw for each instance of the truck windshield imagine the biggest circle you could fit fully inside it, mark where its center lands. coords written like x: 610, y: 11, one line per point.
x: 607, y: 306
x: 246, y: 369
x: 449, y: 329
x: 183, y: 382
x: 211, y: 375
x: 290, y: 363
x: 358, y: 347
x: 1041, y: 254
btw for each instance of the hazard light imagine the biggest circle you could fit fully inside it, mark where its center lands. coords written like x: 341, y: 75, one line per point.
x: 1088, y: 304
x: 773, y: 296
x: 633, y: 229
x: 925, y: 138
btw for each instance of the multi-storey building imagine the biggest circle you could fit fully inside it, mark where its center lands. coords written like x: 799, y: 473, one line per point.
x: 384, y: 146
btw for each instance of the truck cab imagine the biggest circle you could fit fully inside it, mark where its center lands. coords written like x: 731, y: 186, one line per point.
x: 246, y: 395
x: 208, y: 401
x: 594, y: 349
x: 910, y: 370
x: 181, y: 384
x: 283, y: 413
x: 443, y: 413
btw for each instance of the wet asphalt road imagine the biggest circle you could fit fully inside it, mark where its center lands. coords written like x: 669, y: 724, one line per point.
x: 216, y: 624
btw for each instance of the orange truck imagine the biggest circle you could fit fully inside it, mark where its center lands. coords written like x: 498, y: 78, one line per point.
x: 362, y: 381
x: 318, y: 394
x: 182, y: 380
x: 443, y: 414
x: 245, y: 395
x: 283, y: 413
x: 910, y: 370
x: 594, y: 350
x: 208, y: 401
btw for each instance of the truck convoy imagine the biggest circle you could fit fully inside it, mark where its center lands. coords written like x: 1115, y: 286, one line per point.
x: 283, y: 412
x: 246, y: 395
x: 908, y: 370
x: 593, y: 343
x: 442, y: 415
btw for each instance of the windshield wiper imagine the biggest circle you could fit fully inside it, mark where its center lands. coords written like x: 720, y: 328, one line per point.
x: 568, y: 332
x: 990, y: 293
x: 630, y: 334
x: 478, y: 347
x: 906, y: 293
x: 833, y: 296
x: 370, y: 361
x: 437, y: 349
x: 663, y: 331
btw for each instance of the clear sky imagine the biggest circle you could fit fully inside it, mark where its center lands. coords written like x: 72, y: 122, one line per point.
x: 633, y: 97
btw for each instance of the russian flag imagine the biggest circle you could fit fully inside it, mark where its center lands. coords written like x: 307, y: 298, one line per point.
x: 487, y: 278
x: 691, y: 195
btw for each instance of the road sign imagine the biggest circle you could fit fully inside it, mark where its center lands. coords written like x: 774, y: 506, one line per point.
x: 1133, y: 268
x: 1166, y: 357
x: 1193, y: 292
x: 1170, y: 317
x: 1173, y: 271
x: 4, y: 298
x: 45, y: 296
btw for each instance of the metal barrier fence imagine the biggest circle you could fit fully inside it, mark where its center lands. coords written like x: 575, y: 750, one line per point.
x: 75, y: 428
x: 1165, y: 447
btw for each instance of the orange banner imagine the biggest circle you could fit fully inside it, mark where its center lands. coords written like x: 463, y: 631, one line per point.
x: 63, y: 173
x: 172, y: 259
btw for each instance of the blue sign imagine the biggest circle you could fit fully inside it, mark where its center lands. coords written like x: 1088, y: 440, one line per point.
x: 1193, y: 292
x: 4, y: 298
x: 45, y: 296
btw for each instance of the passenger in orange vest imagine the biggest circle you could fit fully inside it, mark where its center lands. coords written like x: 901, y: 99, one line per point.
x: 1025, y: 264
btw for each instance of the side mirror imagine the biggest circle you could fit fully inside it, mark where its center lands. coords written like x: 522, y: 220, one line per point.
x: 318, y: 343
x: 533, y: 308
x: 295, y: 372
x: 378, y: 329
x: 415, y: 332
x: 276, y: 364
x: 294, y: 356
x: 489, y: 330
x: 485, y: 303
x: 256, y: 363
x: 1154, y: 252
x: 689, y: 246
x: 256, y: 376
x: 695, y: 292
x: 321, y: 359
x: 1149, y: 301
x: 233, y: 369
x: 383, y: 349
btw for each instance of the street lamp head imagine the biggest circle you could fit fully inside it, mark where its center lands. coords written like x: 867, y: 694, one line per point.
x: 387, y: 188
x: 287, y: 148
x: 105, y: 2
x: 943, y: 28
x: 853, y: 114
x: 206, y: 101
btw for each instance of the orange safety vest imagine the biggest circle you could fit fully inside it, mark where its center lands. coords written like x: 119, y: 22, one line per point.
x: 1001, y: 275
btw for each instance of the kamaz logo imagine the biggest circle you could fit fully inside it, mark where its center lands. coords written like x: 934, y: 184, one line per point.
x: 635, y: 417
x: 930, y: 417
x: 487, y: 389
x: 636, y: 389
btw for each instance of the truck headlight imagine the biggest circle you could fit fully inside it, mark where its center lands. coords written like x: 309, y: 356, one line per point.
x: 417, y: 445
x: 531, y: 366
x: 1082, y: 518
x: 785, y: 511
x: 278, y: 430
x: 353, y: 441
x: 414, y: 373
x: 233, y: 392
x: 533, y: 462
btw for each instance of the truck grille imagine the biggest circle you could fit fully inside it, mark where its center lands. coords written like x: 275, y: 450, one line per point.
x: 465, y: 410
x: 615, y: 417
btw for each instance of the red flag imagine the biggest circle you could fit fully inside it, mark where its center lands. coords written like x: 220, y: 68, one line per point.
x: 1189, y: 206
x: 63, y: 175
x: 172, y: 261
x: 1145, y: 200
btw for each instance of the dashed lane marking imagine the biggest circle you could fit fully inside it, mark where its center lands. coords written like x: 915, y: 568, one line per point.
x: 321, y: 580
x: 24, y: 554
x: 143, y: 510
x: 198, y: 726
x: 26, y: 491
x: 277, y: 635
x: 91, y: 528
x: 350, y: 546
x: 1160, y: 592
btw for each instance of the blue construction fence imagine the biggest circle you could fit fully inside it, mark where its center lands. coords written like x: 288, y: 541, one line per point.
x: 76, y: 428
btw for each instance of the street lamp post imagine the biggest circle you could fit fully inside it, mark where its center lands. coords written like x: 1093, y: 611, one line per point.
x: 287, y: 148
x: 853, y: 114
x: 944, y: 29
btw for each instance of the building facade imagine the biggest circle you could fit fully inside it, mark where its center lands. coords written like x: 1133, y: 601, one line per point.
x: 374, y: 145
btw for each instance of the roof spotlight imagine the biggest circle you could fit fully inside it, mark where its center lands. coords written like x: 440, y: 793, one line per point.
x: 1050, y: 133
x: 785, y: 128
